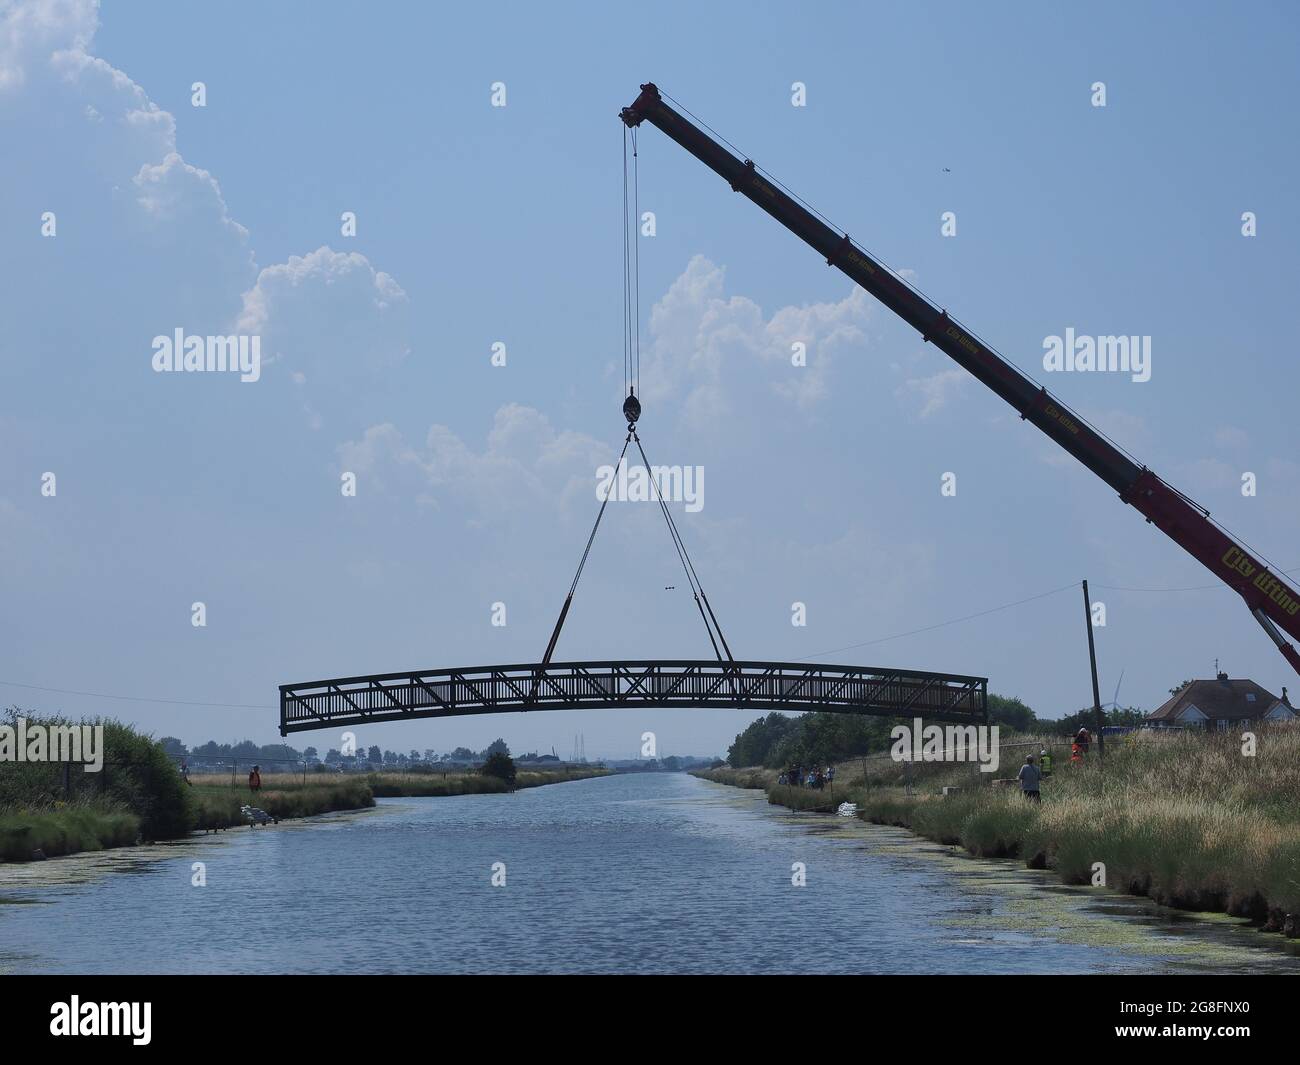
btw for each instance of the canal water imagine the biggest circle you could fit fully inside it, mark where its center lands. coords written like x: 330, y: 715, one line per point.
x: 641, y: 873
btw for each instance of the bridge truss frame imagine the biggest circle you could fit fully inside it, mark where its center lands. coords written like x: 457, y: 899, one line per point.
x: 681, y: 683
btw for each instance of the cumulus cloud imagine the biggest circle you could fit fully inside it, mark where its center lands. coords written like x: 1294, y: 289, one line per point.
x: 173, y: 192
x: 526, y: 463
x: 34, y: 30
x: 90, y: 113
x: 697, y: 332
x: 109, y: 166
x: 328, y: 310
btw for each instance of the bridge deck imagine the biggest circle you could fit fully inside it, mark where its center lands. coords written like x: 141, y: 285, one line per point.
x: 763, y: 686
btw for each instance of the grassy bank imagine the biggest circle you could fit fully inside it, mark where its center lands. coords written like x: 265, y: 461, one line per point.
x: 1186, y: 820
x: 49, y: 808
x: 62, y: 828
x: 392, y: 785
x: 217, y: 800
x: 53, y: 828
x: 806, y: 800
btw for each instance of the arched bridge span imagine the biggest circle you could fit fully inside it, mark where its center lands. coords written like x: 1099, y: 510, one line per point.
x: 679, y: 683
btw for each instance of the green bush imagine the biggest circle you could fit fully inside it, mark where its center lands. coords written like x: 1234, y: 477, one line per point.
x: 142, y: 777
x: 502, y: 766
x: 137, y: 777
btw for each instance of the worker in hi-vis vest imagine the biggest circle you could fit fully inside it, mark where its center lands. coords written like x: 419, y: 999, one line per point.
x: 1045, y: 762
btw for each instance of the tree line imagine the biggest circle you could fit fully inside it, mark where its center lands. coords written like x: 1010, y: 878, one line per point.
x: 246, y: 752
x: 817, y: 738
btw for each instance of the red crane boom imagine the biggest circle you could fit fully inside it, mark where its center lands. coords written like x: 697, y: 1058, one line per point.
x: 1272, y: 602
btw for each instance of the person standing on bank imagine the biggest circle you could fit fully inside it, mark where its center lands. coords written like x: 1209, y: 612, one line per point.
x: 1029, y: 779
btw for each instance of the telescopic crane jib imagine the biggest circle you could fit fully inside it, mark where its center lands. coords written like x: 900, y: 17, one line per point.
x: 1272, y: 602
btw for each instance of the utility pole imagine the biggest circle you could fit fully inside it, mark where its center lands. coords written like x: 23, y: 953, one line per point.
x: 1092, y: 658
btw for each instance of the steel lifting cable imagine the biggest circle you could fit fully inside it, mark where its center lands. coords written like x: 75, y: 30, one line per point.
x: 636, y: 259
x: 627, y: 281
x: 631, y: 270
x: 568, y: 599
x: 680, y: 548
x: 632, y: 411
x: 692, y: 577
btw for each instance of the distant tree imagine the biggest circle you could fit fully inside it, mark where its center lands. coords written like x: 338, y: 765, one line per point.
x: 754, y: 745
x: 1012, y: 713
x: 672, y: 763
x: 311, y: 754
x: 332, y: 757
x: 279, y: 752
x: 374, y: 755
x: 1185, y: 684
x: 501, y: 766
x: 497, y: 746
x: 173, y: 748
x: 246, y: 751
x: 1129, y: 717
x: 463, y: 754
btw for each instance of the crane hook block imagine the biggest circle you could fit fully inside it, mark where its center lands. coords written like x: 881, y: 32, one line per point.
x: 631, y: 409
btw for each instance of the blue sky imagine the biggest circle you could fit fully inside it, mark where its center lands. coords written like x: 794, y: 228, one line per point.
x: 479, y: 224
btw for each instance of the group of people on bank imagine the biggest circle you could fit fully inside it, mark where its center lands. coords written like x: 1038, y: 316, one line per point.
x: 817, y: 777
x: 1033, y: 774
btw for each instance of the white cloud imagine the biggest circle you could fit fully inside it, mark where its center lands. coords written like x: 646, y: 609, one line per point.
x: 173, y: 191
x: 697, y: 332
x: 31, y: 31
x: 328, y: 310
x: 526, y: 463
x: 105, y: 142
x: 108, y: 165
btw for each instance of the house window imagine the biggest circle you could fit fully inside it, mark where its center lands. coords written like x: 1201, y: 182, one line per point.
x: 1224, y: 724
x: 1250, y: 697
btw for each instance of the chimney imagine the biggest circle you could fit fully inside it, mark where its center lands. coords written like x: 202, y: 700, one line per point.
x: 1223, y: 676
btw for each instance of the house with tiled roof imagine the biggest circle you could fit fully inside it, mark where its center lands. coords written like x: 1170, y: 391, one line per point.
x: 1222, y: 704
